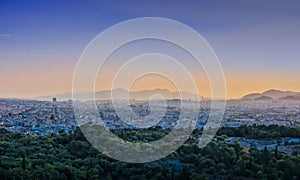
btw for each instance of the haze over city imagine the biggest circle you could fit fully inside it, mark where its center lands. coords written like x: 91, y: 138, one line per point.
x: 256, y: 42
x: 146, y: 90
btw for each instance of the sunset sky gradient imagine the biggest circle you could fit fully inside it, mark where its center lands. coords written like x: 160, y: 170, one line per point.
x: 257, y: 42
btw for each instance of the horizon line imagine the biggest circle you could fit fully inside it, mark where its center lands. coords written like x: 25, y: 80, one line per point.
x: 202, y: 97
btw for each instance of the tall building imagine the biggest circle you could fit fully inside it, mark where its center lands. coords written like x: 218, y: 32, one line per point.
x: 54, y: 99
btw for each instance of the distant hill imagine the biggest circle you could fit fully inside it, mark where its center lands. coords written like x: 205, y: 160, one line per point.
x: 290, y: 98
x: 263, y: 98
x: 273, y: 95
x: 276, y: 94
x: 122, y: 94
x: 252, y: 96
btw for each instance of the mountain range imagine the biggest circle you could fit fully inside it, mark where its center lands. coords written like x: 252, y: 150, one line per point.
x: 122, y: 94
x: 273, y: 94
x: 119, y: 93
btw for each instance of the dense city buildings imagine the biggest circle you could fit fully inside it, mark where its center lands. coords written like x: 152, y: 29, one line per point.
x: 36, y: 117
x: 47, y: 117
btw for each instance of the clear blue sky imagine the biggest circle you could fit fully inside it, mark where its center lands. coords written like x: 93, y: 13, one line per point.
x: 251, y: 38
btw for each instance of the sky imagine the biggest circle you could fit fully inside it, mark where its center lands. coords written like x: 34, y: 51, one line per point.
x: 257, y: 42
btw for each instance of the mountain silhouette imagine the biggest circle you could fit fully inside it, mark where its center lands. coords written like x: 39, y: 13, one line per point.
x: 123, y: 94
x: 272, y: 94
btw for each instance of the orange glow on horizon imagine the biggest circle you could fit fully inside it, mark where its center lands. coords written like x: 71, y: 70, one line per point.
x: 34, y: 82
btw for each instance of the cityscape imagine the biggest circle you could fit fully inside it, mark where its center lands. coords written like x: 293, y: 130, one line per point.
x: 46, y: 117
x: 149, y: 90
x: 43, y: 118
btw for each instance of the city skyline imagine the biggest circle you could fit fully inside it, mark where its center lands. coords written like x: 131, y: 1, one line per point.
x: 40, y: 43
